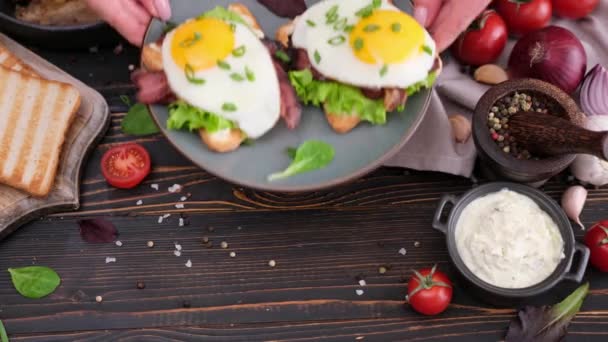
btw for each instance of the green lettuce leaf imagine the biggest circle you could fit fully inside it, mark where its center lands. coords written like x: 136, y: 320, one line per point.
x: 424, y: 84
x: 185, y: 116
x: 337, y: 97
x: 224, y: 14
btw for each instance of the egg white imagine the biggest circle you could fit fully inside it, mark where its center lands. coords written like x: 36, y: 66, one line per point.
x: 338, y: 62
x: 258, y: 103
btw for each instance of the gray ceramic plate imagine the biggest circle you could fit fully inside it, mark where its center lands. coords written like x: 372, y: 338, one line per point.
x: 357, y: 153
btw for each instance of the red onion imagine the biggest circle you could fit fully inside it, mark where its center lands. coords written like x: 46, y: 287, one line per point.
x: 552, y: 54
x: 594, y: 92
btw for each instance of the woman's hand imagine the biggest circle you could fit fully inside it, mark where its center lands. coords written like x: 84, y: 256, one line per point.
x: 447, y: 19
x: 131, y: 17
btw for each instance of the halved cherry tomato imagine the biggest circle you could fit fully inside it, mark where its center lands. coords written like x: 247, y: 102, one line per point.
x: 574, y: 9
x: 429, y: 291
x: 597, y: 241
x: 523, y: 16
x: 483, y: 42
x: 125, y: 166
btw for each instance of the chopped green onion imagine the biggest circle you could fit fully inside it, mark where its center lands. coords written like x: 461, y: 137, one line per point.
x: 337, y: 40
x: 232, y: 27
x: 311, y: 23
x: 349, y: 28
x: 384, y: 70
x: 317, y: 57
x: 282, y: 56
x: 126, y: 100
x: 223, y: 65
x: 239, y: 52
x: 371, y: 28
x: 190, y: 76
x: 369, y: 9
x: 396, y: 27
x: 358, y: 44
x: 332, y: 14
x: 188, y: 42
x: 249, y: 74
x: 341, y: 24
x: 229, y: 107
x: 169, y: 26
x: 427, y: 49
x: 237, y: 77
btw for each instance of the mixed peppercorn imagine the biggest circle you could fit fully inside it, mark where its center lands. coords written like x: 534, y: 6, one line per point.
x: 498, y: 119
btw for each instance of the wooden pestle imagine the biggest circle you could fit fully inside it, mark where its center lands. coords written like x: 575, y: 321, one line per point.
x: 550, y: 135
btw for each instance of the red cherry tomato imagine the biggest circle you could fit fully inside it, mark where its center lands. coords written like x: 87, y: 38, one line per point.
x: 483, y: 42
x: 574, y: 9
x: 125, y: 166
x: 597, y: 241
x: 429, y: 291
x: 523, y: 16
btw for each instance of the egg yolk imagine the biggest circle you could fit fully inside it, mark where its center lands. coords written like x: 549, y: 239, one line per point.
x: 386, y: 37
x: 201, y: 43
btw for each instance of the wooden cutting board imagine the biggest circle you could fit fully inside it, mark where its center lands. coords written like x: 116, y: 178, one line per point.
x: 89, y: 126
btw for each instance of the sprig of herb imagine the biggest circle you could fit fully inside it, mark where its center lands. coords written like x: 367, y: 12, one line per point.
x: 223, y: 65
x: 191, y: 77
x: 188, y: 42
x: 34, y: 281
x: 249, y: 74
x: 240, y: 51
x: 311, y: 155
x: 337, y: 40
x: 229, y: 107
x: 281, y: 55
x: 317, y: 57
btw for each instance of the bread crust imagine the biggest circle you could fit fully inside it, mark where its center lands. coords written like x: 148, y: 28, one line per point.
x: 342, y: 123
x: 248, y: 16
x: 223, y: 141
x: 151, y: 57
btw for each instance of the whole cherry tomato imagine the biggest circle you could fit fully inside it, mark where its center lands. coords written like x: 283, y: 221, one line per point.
x: 523, y: 16
x: 483, y: 41
x: 429, y: 291
x: 597, y: 241
x: 574, y: 9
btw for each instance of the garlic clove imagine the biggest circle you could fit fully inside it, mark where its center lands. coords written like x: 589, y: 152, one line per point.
x: 573, y: 201
x: 490, y: 74
x: 461, y: 128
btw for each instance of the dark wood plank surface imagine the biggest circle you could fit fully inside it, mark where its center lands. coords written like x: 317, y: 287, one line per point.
x: 323, y: 244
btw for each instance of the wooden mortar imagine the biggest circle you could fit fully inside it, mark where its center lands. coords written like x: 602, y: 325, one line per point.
x: 503, y: 165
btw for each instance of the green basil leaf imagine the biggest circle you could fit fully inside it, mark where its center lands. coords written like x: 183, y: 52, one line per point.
x: 34, y: 281
x: 311, y: 155
x: 138, y: 121
x: 3, y: 335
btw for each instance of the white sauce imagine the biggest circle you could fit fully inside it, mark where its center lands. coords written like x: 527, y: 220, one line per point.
x: 508, y: 241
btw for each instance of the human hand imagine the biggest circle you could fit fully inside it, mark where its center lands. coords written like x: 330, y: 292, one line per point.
x: 447, y: 19
x: 131, y: 17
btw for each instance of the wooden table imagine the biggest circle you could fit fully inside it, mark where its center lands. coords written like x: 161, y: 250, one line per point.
x: 323, y: 243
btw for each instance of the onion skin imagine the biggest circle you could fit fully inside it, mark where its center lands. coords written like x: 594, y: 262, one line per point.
x: 594, y: 92
x: 552, y: 54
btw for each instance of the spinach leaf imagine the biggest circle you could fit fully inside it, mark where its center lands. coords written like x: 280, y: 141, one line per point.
x: 138, y: 121
x: 3, y: 335
x: 311, y: 155
x: 545, y: 323
x: 34, y: 281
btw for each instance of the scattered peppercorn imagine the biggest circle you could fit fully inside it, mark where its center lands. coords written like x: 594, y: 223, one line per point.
x: 205, y: 239
x: 272, y: 263
x: 150, y: 244
x: 98, y: 299
x: 382, y: 270
x: 141, y: 285
x: 232, y: 254
x: 224, y: 244
x: 498, y: 119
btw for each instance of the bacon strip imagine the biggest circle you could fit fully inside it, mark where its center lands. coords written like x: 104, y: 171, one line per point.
x: 153, y: 87
x: 291, y: 110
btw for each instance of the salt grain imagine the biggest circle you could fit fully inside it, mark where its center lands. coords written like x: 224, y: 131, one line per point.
x: 272, y: 263
x: 110, y: 259
x: 181, y: 222
x: 160, y: 219
x: 183, y: 198
x: 175, y: 188
x: 178, y: 246
x: 166, y: 215
x: 402, y: 251
x: 179, y: 205
x: 118, y: 243
x: 359, y: 292
x: 131, y: 67
x: 150, y: 244
x: 224, y: 244
x: 232, y: 254
x: 140, y: 202
x: 177, y: 253
x: 98, y: 299
x: 154, y: 186
x: 188, y: 263
x: 362, y: 282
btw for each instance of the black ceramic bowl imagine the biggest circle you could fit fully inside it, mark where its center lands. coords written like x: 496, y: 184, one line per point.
x: 55, y: 37
x: 500, y: 165
x: 503, y: 296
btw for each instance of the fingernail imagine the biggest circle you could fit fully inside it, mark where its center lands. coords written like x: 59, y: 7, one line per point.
x: 421, y: 14
x: 163, y: 8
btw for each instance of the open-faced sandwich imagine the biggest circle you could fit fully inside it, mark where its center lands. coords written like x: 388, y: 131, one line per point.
x: 219, y: 77
x: 358, y: 59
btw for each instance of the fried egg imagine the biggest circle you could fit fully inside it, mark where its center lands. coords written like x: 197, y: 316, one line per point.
x: 365, y: 43
x: 223, y: 68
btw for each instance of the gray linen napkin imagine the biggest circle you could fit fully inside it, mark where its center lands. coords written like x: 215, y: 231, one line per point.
x: 433, y: 148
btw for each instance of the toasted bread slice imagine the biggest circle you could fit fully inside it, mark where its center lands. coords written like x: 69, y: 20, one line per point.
x: 341, y: 122
x: 246, y: 14
x: 36, y: 115
x: 223, y: 141
x: 10, y: 61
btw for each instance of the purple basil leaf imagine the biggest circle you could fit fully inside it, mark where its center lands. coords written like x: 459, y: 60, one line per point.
x: 97, y: 231
x: 285, y: 8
